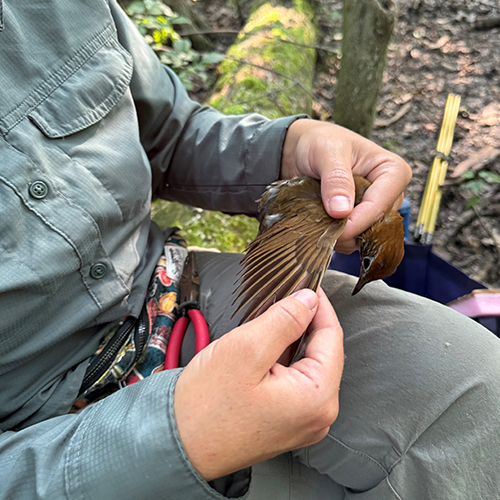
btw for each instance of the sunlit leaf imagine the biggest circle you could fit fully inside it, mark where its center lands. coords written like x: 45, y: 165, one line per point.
x: 182, y: 45
x: 180, y: 20
x: 472, y: 202
x: 490, y: 177
x: 212, y: 57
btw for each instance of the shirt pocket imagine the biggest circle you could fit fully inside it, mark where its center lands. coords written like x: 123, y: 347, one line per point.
x: 88, y: 131
x: 82, y: 141
x: 87, y: 95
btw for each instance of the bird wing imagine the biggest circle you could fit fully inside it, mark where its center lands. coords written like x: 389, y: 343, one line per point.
x: 291, y: 254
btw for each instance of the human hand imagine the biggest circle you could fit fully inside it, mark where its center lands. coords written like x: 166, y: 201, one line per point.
x: 236, y: 406
x: 333, y: 154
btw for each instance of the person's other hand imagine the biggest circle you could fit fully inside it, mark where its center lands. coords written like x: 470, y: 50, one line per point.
x: 333, y: 154
x: 236, y: 406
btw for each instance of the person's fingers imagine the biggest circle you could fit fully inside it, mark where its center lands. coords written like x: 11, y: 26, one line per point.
x: 321, y: 153
x: 333, y: 166
x: 264, y: 339
x: 333, y: 154
x: 389, y: 175
x: 324, y: 351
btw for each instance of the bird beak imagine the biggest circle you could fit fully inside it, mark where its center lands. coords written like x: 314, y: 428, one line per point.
x: 362, y: 281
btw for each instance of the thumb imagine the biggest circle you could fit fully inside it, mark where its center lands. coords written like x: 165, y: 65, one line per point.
x: 337, y: 191
x: 264, y: 339
x: 333, y: 165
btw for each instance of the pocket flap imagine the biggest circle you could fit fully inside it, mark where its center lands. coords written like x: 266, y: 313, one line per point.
x: 87, y: 95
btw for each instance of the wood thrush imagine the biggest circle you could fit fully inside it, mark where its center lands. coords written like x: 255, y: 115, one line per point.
x: 295, y: 241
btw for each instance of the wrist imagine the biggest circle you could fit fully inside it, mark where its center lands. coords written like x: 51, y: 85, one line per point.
x: 288, y: 167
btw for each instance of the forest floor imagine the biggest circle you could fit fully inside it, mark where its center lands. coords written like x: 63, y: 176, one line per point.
x: 435, y: 51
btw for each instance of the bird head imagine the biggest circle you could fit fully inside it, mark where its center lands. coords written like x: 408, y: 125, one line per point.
x: 381, y: 249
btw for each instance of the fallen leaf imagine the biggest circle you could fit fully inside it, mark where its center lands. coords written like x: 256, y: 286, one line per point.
x: 476, y: 161
x: 440, y: 43
x: 490, y: 115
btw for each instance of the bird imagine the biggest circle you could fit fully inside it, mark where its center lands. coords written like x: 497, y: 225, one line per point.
x: 295, y: 242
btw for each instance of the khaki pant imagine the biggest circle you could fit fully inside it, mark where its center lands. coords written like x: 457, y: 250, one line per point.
x: 419, y: 400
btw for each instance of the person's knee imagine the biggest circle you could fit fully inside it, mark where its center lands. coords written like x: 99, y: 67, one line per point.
x: 409, y: 362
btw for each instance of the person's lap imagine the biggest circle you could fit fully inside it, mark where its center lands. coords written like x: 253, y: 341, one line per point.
x: 419, y: 404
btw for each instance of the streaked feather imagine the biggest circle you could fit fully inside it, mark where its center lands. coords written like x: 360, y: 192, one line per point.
x: 293, y: 246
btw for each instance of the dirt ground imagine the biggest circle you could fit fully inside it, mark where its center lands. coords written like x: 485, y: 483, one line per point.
x: 435, y: 51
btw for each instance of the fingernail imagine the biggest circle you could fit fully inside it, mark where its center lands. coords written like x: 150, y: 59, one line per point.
x: 307, y: 297
x: 339, y: 204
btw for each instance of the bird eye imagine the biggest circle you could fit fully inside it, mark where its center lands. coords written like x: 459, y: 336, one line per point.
x: 366, y: 263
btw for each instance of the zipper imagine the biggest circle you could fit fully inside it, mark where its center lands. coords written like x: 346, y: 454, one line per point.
x: 141, y: 333
x: 106, y: 357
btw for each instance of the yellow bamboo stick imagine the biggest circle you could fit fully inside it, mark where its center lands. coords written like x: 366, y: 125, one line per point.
x: 437, y: 202
x: 433, y: 177
x: 443, y: 135
x: 441, y: 167
x: 424, y: 207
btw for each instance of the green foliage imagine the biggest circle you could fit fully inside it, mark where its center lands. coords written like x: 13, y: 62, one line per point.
x: 187, y: 62
x: 205, y: 228
x: 157, y: 23
x: 476, y: 184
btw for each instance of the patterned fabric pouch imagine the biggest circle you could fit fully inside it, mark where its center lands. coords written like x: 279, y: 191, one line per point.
x: 135, y: 348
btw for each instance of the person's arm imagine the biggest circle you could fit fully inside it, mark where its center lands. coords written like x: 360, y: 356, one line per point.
x: 198, y: 155
x: 232, y: 406
x: 125, y: 446
x: 250, y: 407
x: 202, y: 157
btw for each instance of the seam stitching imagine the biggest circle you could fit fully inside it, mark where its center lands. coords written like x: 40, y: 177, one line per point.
x: 97, y: 113
x: 57, y: 78
x: 360, y: 453
x: 392, y: 490
x: 58, y: 231
x: 69, y: 239
x: 49, y: 224
x: 73, y: 160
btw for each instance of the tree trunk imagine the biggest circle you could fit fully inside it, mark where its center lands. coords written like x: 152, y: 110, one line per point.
x: 267, y: 69
x: 367, y: 28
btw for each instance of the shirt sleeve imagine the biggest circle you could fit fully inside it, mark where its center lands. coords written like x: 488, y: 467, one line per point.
x: 125, y: 446
x: 198, y: 155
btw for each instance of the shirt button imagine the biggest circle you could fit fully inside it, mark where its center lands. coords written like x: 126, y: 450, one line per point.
x: 38, y: 190
x: 98, y: 271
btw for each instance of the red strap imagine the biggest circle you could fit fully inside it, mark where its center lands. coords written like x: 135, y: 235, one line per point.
x: 175, y: 343
x: 202, y: 338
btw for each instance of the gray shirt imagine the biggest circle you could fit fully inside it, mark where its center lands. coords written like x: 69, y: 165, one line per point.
x: 92, y: 127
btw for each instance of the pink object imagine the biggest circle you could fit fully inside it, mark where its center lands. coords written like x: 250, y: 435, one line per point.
x: 202, y: 338
x: 478, y: 303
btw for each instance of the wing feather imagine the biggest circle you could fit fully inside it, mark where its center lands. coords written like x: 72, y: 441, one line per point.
x: 287, y: 255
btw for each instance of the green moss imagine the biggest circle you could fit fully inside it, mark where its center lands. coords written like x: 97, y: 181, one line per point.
x: 205, y: 228
x: 253, y: 84
x: 304, y: 7
x: 248, y: 87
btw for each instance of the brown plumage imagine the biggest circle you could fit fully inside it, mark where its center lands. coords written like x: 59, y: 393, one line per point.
x: 295, y: 241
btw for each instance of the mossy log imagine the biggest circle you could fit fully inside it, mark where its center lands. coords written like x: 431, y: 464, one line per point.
x: 268, y: 70
x: 367, y: 29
